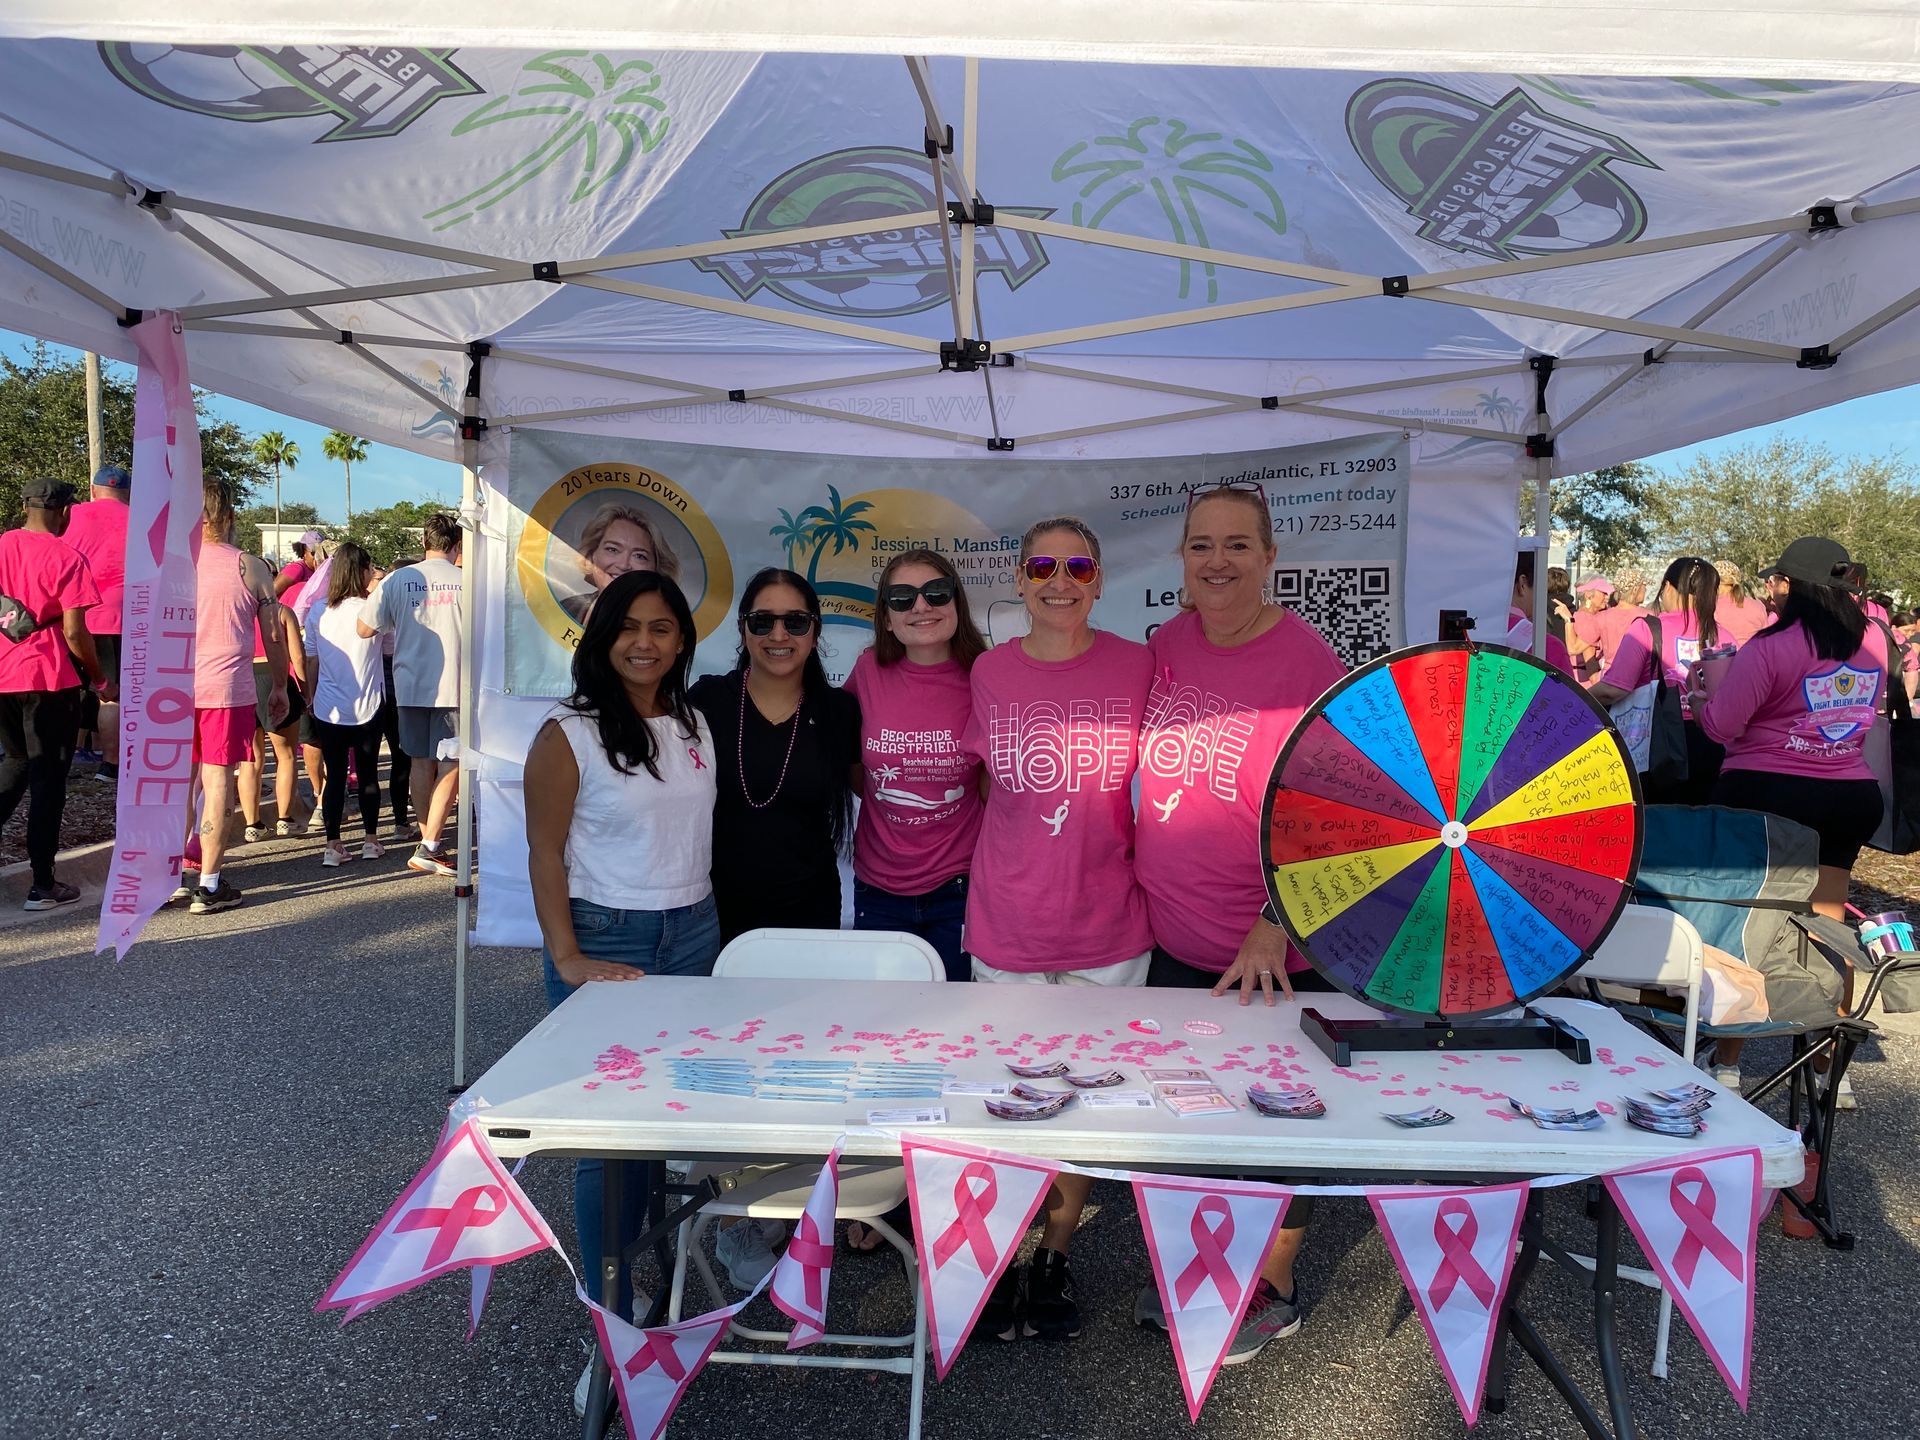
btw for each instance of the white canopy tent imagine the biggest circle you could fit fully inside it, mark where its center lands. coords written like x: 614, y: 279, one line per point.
x: 1127, y: 230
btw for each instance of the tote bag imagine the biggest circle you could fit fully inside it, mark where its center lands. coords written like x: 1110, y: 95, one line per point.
x: 1652, y: 724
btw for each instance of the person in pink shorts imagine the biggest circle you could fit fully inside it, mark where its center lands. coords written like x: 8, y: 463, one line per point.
x: 1056, y: 720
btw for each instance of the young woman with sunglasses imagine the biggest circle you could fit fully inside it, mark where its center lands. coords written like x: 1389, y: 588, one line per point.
x: 1232, y: 674
x: 1056, y: 720
x: 921, y: 808
x: 619, y: 791
x: 787, y: 742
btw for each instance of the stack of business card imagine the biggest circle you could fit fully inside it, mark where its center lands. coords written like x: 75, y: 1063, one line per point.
x: 1286, y: 1101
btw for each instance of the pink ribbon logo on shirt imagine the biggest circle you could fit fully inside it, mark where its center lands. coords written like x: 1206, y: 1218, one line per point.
x: 1702, y: 1236
x: 969, y: 1226
x: 453, y: 1221
x: 657, y: 1349
x: 1212, y: 1231
x: 693, y: 754
x: 1455, y: 1228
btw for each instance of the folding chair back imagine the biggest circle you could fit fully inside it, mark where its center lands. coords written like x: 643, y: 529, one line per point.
x: 830, y: 955
x: 1650, y: 947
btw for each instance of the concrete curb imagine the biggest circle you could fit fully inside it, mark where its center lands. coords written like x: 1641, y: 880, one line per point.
x: 85, y: 867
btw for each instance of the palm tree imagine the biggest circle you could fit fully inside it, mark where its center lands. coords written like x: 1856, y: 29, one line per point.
x: 1182, y: 172
x: 605, y: 111
x: 275, y: 449
x: 834, y: 524
x: 348, y: 450
x: 792, y: 533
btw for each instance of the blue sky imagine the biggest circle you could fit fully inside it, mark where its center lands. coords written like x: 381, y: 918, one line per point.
x: 1874, y: 425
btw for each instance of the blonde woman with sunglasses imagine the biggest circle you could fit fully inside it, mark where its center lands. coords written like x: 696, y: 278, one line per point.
x: 1056, y: 720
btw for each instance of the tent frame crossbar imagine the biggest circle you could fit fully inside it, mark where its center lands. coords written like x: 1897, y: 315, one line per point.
x: 59, y: 274
x: 327, y: 336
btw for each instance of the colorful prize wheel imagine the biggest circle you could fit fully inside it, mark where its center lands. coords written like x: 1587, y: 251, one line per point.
x: 1451, y: 830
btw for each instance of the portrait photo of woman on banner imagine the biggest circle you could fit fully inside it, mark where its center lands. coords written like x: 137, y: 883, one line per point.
x: 618, y: 539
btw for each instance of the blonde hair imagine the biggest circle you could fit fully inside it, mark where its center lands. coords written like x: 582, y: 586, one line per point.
x: 1245, y: 497
x: 216, y: 510
x: 665, y: 562
x: 1060, y: 522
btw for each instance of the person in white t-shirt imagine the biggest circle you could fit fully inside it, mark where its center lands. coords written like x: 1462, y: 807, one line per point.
x: 348, y: 688
x: 620, y: 793
x: 419, y: 607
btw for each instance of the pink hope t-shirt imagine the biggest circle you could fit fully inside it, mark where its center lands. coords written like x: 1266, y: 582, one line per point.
x: 1053, y: 885
x: 921, y: 807
x: 1782, y: 709
x: 1216, y: 719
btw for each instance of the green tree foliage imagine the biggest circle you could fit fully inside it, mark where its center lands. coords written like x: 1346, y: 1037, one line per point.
x: 392, y: 535
x: 247, y: 523
x: 43, y: 430
x: 349, y: 450
x: 1745, y: 504
x: 1608, y: 513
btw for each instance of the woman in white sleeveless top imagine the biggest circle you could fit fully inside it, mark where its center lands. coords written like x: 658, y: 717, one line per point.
x: 620, y: 790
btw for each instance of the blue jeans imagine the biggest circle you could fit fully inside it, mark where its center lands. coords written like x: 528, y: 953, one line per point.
x: 935, y: 917
x: 685, y: 941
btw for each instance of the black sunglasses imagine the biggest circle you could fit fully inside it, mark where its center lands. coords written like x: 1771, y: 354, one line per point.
x: 761, y: 622
x: 939, y: 593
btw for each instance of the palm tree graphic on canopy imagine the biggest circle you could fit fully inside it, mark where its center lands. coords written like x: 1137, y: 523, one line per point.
x: 606, y: 112
x: 1176, y: 174
x: 1503, y: 410
x: 834, y: 524
x: 793, y: 533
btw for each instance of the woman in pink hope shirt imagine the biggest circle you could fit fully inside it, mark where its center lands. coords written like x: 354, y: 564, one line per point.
x: 1056, y: 720
x: 1231, y: 676
x: 1689, y: 628
x: 920, y: 792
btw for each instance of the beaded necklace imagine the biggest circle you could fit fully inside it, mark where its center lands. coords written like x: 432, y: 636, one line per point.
x: 740, y: 744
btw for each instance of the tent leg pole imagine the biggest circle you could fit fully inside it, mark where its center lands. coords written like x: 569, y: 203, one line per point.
x: 463, y: 825
x: 1542, y: 510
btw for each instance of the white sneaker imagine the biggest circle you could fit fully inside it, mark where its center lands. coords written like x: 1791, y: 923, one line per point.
x: 372, y: 850
x: 335, y: 854
x: 746, y: 1249
x: 1843, y: 1097
x: 255, y: 834
x: 1726, y: 1076
x: 189, y: 883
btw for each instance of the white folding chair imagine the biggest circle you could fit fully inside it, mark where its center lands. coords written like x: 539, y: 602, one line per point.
x: 1652, y: 947
x: 868, y: 1189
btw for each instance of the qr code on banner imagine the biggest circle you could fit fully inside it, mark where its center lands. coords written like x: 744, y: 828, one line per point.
x: 1354, y: 606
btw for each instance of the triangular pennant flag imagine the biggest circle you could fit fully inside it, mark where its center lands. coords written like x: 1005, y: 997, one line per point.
x: 461, y: 1209
x: 482, y: 1278
x: 651, y: 1369
x: 1455, y: 1251
x: 800, y: 1280
x: 1208, y: 1240
x: 1697, y: 1219
x: 970, y: 1209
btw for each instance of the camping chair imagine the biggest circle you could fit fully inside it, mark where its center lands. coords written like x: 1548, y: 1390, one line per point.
x: 1652, y: 948
x: 1744, y: 880
x: 869, y: 1189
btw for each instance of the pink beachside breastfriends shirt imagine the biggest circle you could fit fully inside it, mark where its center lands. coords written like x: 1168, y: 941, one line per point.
x: 920, y: 809
x: 1053, y: 885
x: 1782, y: 709
x: 1216, y: 719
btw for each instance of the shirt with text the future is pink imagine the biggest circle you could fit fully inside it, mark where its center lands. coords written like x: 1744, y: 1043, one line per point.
x: 1053, y: 884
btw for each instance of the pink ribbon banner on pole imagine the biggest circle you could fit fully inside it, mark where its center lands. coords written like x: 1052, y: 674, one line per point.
x: 156, y: 664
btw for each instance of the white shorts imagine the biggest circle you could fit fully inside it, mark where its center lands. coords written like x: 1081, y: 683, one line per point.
x: 1121, y: 972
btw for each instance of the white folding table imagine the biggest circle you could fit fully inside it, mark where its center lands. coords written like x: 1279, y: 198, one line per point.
x: 593, y: 1079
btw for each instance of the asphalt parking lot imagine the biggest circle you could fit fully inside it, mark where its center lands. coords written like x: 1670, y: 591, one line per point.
x: 201, y: 1136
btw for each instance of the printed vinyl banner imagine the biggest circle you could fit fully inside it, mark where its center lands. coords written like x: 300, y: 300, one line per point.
x: 587, y: 508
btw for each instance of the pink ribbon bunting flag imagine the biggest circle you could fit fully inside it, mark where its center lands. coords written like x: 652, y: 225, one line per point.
x: 970, y: 1210
x: 156, y: 680
x: 1455, y: 1250
x: 1208, y: 1240
x: 462, y: 1209
x: 651, y: 1369
x: 1697, y: 1219
x: 800, y: 1280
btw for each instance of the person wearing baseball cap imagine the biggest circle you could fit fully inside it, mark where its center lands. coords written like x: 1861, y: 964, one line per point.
x: 97, y: 528
x: 1794, y: 709
x: 45, y: 593
x: 297, y: 571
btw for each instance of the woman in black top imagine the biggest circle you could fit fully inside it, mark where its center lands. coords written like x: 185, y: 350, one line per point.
x: 785, y: 742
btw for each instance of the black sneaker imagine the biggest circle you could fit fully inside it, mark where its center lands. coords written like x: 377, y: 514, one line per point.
x: 206, y: 901
x: 1000, y: 1318
x: 1052, y: 1313
x: 45, y: 898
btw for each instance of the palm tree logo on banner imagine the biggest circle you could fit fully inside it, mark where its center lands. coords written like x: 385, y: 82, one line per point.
x: 602, y: 113
x: 1176, y: 176
x: 836, y: 524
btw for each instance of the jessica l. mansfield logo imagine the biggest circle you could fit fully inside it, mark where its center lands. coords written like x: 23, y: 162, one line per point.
x: 372, y: 90
x: 890, y: 270
x: 1500, y: 180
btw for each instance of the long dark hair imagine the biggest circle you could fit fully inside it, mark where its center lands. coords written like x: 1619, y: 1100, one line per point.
x: 814, y: 685
x: 598, y: 692
x: 352, y: 574
x: 968, y: 643
x: 1834, y: 623
x: 1698, y: 585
